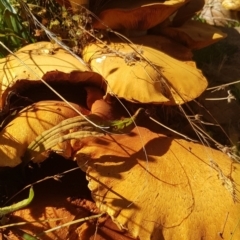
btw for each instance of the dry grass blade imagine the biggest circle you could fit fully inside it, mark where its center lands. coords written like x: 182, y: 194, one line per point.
x: 73, y: 128
x: 71, y: 223
x: 77, y: 128
x: 46, y: 145
x: 61, y: 127
x: 24, y: 223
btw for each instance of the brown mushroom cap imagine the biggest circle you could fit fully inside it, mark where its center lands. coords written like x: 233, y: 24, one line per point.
x: 187, y: 11
x: 193, y: 34
x: 137, y: 15
x: 132, y: 77
x: 176, y: 194
x: 30, y: 123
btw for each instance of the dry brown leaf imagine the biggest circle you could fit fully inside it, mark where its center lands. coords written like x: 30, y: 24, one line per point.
x: 132, y: 77
x: 194, y: 34
x: 184, y: 190
x: 52, y: 208
x: 44, y: 212
x: 138, y: 15
x: 40, y: 58
x: 28, y: 124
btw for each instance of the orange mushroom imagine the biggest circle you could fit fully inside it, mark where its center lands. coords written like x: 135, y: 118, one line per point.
x: 33, y: 61
x: 231, y: 4
x: 135, y: 15
x: 193, y: 34
x: 143, y: 71
x: 22, y: 74
x: 30, y: 123
x: 186, y: 12
x: 37, y: 57
x: 182, y: 190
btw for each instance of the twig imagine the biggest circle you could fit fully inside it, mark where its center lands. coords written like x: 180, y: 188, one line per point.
x: 56, y: 176
x: 170, y: 129
x: 70, y: 223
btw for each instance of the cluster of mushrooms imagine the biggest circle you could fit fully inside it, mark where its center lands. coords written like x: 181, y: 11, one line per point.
x: 153, y: 186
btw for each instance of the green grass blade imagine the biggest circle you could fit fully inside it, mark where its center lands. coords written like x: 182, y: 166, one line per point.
x: 16, y: 206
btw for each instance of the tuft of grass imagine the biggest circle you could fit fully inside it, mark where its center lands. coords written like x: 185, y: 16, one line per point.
x: 14, y: 31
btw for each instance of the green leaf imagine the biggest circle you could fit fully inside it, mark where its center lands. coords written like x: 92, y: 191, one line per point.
x: 8, y: 6
x: 19, y: 205
x: 23, y: 235
x: 27, y: 236
x: 126, y: 125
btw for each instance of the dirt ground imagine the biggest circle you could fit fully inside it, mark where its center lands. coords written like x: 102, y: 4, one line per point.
x: 60, y: 200
x: 220, y: 64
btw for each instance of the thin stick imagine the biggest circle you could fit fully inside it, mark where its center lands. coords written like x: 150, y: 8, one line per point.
x: 24, y: 223
x: 224, y: 225
x: 69, y: 223
x: 170, y: 129
x: 56, y: 176
x: 223, y: 86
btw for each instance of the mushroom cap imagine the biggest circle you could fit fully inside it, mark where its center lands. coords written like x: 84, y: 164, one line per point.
x: 193, y: 34
x: 28, y: 124
x: 231, y: 4
x: 187, y: 11
x: 167, y: 196
x: 130, y: 4
x: 154, y: 78
x: 43, y: 61
x: 33, y: 61
x: 137, y: 15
